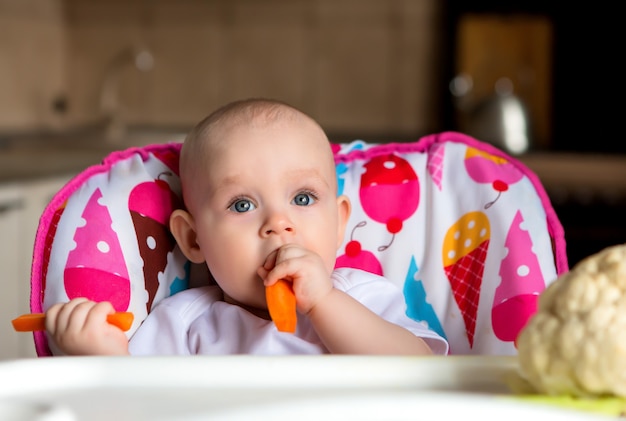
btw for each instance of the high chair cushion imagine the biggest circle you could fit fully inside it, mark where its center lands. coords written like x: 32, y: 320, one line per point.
x: 466, y: 231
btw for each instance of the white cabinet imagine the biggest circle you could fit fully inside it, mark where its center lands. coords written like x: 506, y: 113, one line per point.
x: 21, y: 205
x: 11, y: 213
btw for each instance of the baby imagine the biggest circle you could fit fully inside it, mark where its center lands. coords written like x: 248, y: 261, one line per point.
x: 260, y: 191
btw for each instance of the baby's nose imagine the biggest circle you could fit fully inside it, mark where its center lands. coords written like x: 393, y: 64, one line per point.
x: 277, y: 224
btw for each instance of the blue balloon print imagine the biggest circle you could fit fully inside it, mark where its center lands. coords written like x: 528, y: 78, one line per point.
x: 417, y: 306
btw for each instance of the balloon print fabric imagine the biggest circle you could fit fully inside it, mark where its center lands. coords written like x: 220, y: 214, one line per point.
x: 465, y: 230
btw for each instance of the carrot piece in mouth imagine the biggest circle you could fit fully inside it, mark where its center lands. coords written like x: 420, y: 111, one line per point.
x: 281, y: 304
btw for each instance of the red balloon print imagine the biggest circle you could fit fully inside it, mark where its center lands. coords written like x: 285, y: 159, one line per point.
x: 389, y: 192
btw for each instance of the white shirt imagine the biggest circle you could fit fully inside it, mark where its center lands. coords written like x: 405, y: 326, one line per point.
x: 197, y: 321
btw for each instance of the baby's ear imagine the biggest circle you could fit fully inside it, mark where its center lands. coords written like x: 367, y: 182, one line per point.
x: 344, y: 208
x: 184, y: 230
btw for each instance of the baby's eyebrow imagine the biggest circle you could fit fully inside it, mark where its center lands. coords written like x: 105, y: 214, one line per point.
x: 295, y: 174
x: 228, y: 180
x: 223, y: 184
x: 306, y: 173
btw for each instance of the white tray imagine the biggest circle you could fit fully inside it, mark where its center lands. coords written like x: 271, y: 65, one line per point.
x: 263, y: 388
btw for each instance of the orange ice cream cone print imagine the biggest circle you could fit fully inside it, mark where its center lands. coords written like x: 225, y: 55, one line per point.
x: 464, y: 252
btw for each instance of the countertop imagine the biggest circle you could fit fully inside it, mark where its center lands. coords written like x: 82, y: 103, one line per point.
x: 34, y: 157
x: 561, y: 173
x: 601, y: 173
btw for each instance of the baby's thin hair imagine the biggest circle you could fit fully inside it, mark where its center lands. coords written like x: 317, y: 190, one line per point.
x: 245, y: 111
x: 249, y: 110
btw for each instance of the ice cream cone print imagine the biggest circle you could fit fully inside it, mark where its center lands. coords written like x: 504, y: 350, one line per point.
x: 356, y: 257
x: 521, y: 281
x: 150, y: 204
x: 96, y: 268
x: 434, y: 163
x: 464, y: 252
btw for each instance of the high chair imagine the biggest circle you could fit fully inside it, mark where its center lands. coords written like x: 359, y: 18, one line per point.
x: 465, y: 230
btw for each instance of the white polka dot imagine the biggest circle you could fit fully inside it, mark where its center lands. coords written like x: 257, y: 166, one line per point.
x: 483, y: 232
x: 389, y: 165
x: 151, y: 242
x: 451, y: 254
x: 103, y: 246
x: 457, y: 235
x: 523, y: 226
x: 471, y: 224
x: 467, y: 242
x: 523, y: 270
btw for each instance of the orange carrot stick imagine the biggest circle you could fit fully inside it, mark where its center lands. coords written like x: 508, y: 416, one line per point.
x: 37, y: 321
x: 281, y: 304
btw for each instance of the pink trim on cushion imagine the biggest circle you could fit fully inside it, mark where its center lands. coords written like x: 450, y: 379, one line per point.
x: 41, y: 343
x: 423, y: 144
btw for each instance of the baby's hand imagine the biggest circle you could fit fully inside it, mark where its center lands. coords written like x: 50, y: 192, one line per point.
x: 79, y: 327
x: 305, y: 269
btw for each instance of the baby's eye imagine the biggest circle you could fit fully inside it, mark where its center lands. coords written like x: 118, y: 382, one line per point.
x: 241, y: 206
x: 304, y: 199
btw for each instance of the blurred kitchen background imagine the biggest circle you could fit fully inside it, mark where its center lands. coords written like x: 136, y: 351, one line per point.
x: 80, y: 77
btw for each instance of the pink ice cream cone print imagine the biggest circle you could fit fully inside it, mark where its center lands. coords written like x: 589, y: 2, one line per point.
x: 389, y: 192
x: 434, y: 163
x: 151, y: 204
x: 106, y: 277
x: 515, y: 299
x: 483, y: 167
x: 464, y: 251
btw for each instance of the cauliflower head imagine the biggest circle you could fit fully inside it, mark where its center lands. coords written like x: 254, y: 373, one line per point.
x: 575, y: 344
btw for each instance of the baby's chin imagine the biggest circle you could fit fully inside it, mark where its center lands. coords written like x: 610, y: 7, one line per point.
x: 259, y: 309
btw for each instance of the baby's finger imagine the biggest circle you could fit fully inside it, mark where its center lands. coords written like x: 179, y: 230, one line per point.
x: 262, y: 272
x: 270, y: 261
x: 51, y: 317
x: 58, y: 315
x: 98, y: 313
x: 282, y: 270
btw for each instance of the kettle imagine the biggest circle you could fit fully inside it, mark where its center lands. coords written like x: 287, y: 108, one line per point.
x: 500, y: 118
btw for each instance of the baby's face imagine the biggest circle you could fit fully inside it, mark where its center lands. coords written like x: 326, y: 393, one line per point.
x: 265, y: 186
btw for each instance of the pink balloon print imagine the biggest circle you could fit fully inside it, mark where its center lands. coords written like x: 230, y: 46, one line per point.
x: 389, y: 192
x: 483, y: 167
